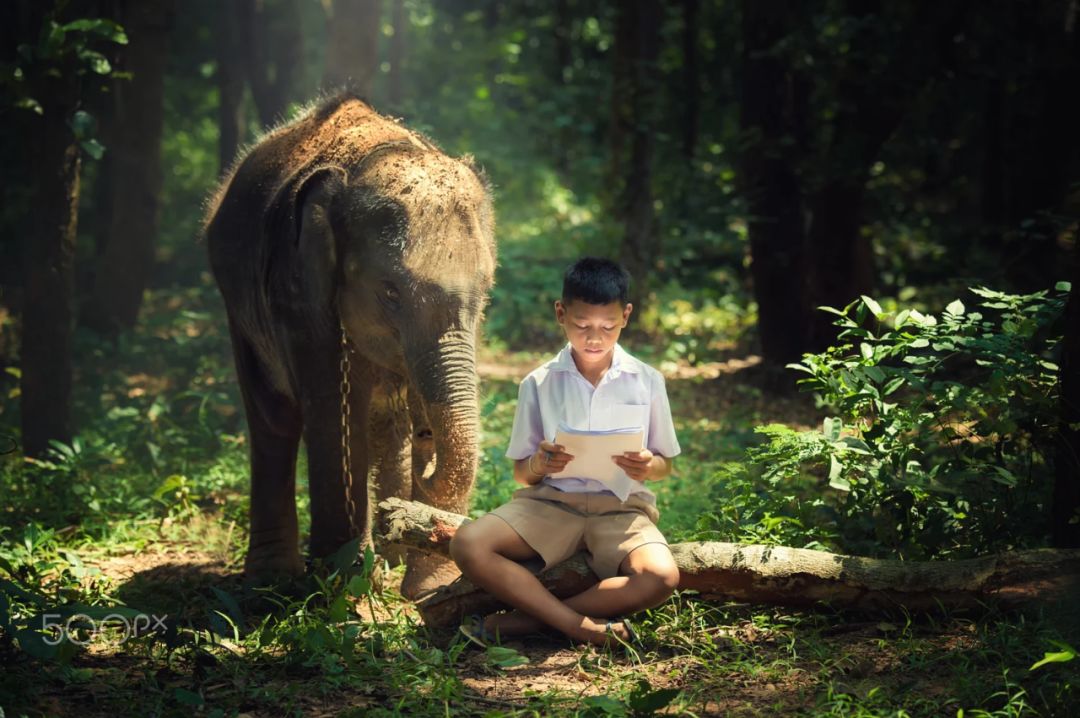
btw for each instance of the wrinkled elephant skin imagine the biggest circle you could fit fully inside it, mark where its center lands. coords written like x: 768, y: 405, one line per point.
x: 344, y: 218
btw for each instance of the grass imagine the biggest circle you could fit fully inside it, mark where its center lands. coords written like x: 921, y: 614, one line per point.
x: 148, y: 511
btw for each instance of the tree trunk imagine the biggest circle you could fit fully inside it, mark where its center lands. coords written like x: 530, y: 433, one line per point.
x: 135, y: 179
x: 274, y: 55
x: 230, y: 46
x: 1065, y: 514
x: 352, y: 46
x: 767, y: 574
x: 639, y: 25
x: 691, y: 80
x: 395, y: 93
x: 772, y: 114
x: 841, y: 266
x: 48, y: 262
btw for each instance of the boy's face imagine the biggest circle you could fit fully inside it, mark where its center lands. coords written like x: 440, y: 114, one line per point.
x: 592, y: 329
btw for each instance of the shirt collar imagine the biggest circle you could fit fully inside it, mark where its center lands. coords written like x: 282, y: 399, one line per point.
x: 620, y: 361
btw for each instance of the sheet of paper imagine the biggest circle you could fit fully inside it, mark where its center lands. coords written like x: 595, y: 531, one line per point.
x: 592, y: 452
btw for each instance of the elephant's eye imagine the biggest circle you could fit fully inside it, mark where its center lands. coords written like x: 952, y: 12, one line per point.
x: 389, y: 294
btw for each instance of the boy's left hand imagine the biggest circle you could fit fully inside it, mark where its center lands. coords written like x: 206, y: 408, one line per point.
x: 637, y: 464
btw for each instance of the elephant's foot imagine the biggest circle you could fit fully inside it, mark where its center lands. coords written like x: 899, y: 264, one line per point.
x: 424, y: 573
x: 272, y: 563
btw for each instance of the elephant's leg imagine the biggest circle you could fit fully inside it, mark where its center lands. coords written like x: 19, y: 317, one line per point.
x: 319, y: 376
x: 275, y: 427
x: 391, y: 454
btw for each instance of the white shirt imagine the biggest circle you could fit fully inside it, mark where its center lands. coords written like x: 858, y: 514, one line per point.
x: 630, y: 393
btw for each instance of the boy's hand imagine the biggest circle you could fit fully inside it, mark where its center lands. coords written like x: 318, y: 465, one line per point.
x: 549, y: 459
x: 638, y: 465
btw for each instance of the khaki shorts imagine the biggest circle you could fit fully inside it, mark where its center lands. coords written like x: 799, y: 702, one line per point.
x: 557, y: 524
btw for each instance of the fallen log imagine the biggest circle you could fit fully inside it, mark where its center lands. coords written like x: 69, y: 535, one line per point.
x: 766, y: 574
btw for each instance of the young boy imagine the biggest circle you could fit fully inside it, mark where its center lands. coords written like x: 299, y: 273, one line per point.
x: 591, y: 384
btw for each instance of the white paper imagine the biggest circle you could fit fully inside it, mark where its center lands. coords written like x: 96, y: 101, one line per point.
x: 592, y: 452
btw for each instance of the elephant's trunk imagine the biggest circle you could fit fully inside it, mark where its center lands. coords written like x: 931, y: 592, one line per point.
x: 446, y: 378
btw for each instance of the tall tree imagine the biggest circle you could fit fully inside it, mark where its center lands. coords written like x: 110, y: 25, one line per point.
x: 806, y: 173
x: 274, y: 46
x: 57, y: 60
x: 48, y: 262
x: 874, y: 85
x: 772, y: 116
x: 691, y: 13
x: 135, y: 172
x: 352, y: 45
x: 634, y: 112
x: 230, y: 47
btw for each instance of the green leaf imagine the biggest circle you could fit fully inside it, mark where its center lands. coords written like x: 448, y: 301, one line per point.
x: 605, y: 705
x: 873, y: 306
x: 339, y: 609
x: 82, y: 123
x: 646, y: 702
x: 95, y: 61
x: 875, y: 373
x: 33, y: 643
x: 230, y: 605
x: 893, y: 385
x: 1063, y: 286
x: 186, y: 697
x: 866, y: 350
x: 835, y: 480
x: 1003, y: 475
x: 346, y: 555
x: 831, y: 427
x: 956, y: 308
x: 29, y: 103
x: 855, y: 444
x: 1066, y: 654
x: 504, y: 657
x: 93, y: 148
x: 99, y: 26
x: 358, y: 586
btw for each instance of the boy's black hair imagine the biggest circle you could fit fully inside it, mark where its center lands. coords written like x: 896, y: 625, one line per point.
x: 595, y: 280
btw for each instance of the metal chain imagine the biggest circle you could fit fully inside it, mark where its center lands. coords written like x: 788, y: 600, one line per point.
x: 346, y: 433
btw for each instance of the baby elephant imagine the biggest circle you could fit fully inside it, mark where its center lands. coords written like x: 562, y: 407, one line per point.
x: 343, y: 235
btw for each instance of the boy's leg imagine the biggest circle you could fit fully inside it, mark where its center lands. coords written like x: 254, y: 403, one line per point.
x: 487, y: 551
x: 649, y: 577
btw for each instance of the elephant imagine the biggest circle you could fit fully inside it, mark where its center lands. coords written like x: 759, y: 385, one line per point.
x: 346, y: 246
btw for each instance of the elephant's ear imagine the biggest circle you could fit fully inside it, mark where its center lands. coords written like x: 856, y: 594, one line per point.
x: 304, y: 212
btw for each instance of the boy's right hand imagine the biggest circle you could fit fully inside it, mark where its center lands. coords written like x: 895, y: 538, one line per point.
x: 550, y: 458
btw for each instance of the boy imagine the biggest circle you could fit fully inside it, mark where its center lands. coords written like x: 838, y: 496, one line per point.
x: 591, y: 384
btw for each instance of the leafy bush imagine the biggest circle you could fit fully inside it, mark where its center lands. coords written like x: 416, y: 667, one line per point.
x: 942, y: 434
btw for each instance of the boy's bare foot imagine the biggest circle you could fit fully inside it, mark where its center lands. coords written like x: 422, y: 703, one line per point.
x: 513, y: 623
x: 591, y: 630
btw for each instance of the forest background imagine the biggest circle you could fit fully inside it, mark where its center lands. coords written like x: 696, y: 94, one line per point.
x: 914, y: 167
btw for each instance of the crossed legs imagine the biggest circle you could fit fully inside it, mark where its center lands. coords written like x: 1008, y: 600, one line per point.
x: 488, y: 549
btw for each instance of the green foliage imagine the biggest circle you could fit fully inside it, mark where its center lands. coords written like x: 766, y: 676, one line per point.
x: 701, y: 325
x: 944, y: 430
x: 75, y: 48
x: 49, y: 600
x: 1064, y: 654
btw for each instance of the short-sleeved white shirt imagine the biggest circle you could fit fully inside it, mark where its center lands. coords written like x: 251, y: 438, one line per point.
x: 631, y: 393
